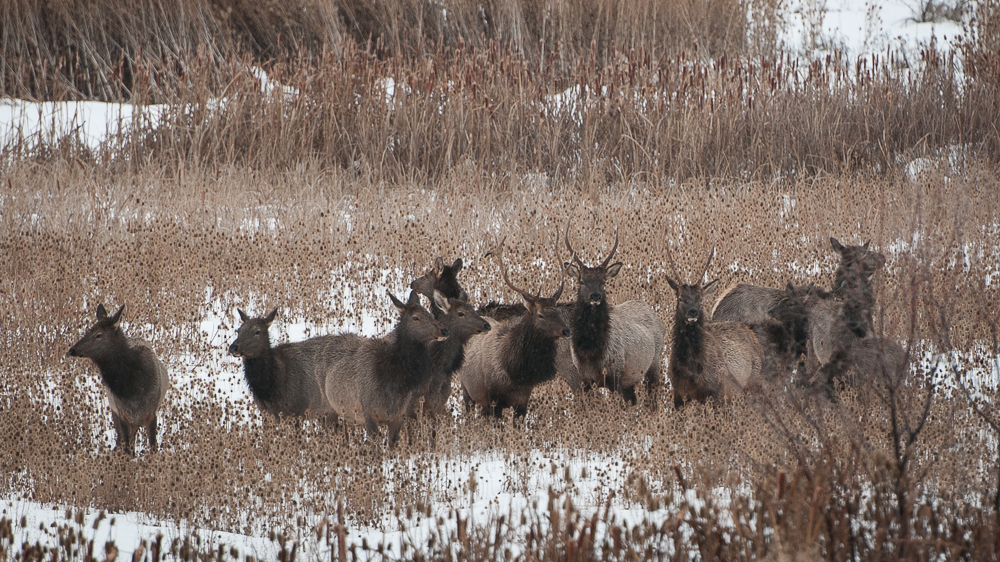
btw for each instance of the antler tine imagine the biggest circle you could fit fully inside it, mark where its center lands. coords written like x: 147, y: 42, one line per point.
x: 614, y: 248
x: 572, y: 252
x: 673, y: 265
x: 708, y: 263
x: 506, y: 279
x: 562, y: 283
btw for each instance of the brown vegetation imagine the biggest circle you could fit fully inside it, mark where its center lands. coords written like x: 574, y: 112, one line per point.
x: 319, y: 200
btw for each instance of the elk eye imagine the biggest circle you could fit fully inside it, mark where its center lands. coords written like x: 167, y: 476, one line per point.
x: 461, y: 315
x: 416, y: 319
x: 256, y: 332
x: 98, y: 336
x: 540, y: 315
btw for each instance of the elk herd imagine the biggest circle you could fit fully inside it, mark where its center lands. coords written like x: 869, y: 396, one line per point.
x: 801, y: 336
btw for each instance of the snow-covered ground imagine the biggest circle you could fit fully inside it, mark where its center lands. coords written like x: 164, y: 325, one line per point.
x: 859, y: 27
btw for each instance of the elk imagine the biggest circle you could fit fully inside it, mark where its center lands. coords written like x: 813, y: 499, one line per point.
x: 134, y: 378
x: 462, y: 322
x: 785, y: 335
x: 709, y: 359
x: 852, y: 284
x: 443, y: 278
x: 502, y: 367
x: 615, y: 347
x: 836, y: 354
x: 286, y: 380
x: 371, y: 381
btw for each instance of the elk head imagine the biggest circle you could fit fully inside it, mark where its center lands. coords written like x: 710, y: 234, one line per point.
x: 858, y: 260
x: 690, y: 297
x: 591, y: 280
x: 252, y: 337
x: 102, y: 338
x: 415, y: 321
x: 542, y: 311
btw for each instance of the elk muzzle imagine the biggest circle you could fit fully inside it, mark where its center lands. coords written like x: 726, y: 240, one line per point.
x: 692, y: 315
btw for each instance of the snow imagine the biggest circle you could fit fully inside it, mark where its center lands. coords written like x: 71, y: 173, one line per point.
x: 860, y: 28
x: 93, y: 122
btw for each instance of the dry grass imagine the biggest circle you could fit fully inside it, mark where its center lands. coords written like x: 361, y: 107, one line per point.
x: 633, y: 106
x: 316, y: 201
x: 70, y: 48
x: 179, y: 249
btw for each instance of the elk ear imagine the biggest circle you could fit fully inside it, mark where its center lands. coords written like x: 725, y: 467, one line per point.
x: 790, y: 289
x: 672, y: 283
x: 571, y: 269
x: 414, y: 299
x: 102, y: 312
x: 442, y: 302
x: 117, y: 317
x: 456, y: 266
x: 270, y: 317
x: 438, y: 266
x: 614, y: 268
x: 463, y: 296
x: 837, y: 246
x: 396, y: 302
x: 866, y: 244
x: 243, y: 315
x: 710, y: 287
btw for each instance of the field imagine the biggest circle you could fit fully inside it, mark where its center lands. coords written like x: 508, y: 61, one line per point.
x: 345, y: 170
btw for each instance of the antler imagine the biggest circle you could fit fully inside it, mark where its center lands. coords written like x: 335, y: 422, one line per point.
x: 672, y: 264
x: 708, y: 263
x: 572, y: 252
x: 503, y: 270
x: 562, y: 283
x: 613, y: 249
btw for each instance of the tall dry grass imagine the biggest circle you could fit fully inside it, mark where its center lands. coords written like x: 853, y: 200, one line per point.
x: 67, y: 49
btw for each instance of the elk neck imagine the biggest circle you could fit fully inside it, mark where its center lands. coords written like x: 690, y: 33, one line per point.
x: 123, y: 374
x: 689, y: 341
x: 591, y: 327
x: 528, y: 356
x: 261, y: 374
x: 405, y: 363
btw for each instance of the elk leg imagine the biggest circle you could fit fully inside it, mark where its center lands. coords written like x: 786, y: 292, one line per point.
x: 371, y: 427
x: 151, y: 434
x: 468, y: 401
x: 125, y: 438
x: 394, y: 426
x: 651, y: 381
x: 628, y: 394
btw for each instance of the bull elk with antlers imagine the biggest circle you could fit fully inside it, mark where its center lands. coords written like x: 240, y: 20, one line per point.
x: 503, y: 366
x: 709, y: 359
x: 615, y: 347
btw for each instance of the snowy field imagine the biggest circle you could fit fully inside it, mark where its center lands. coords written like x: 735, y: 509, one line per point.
x: 849, y: 25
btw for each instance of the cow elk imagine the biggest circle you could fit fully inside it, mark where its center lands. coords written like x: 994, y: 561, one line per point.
x: 503, y: 366
x: 134, y: 378
x: 614, y: 347
x: 449, y: 306
x: 371, y: 381
x: 852, y: 284
x: 286, y: 380
x: 709, y: 359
